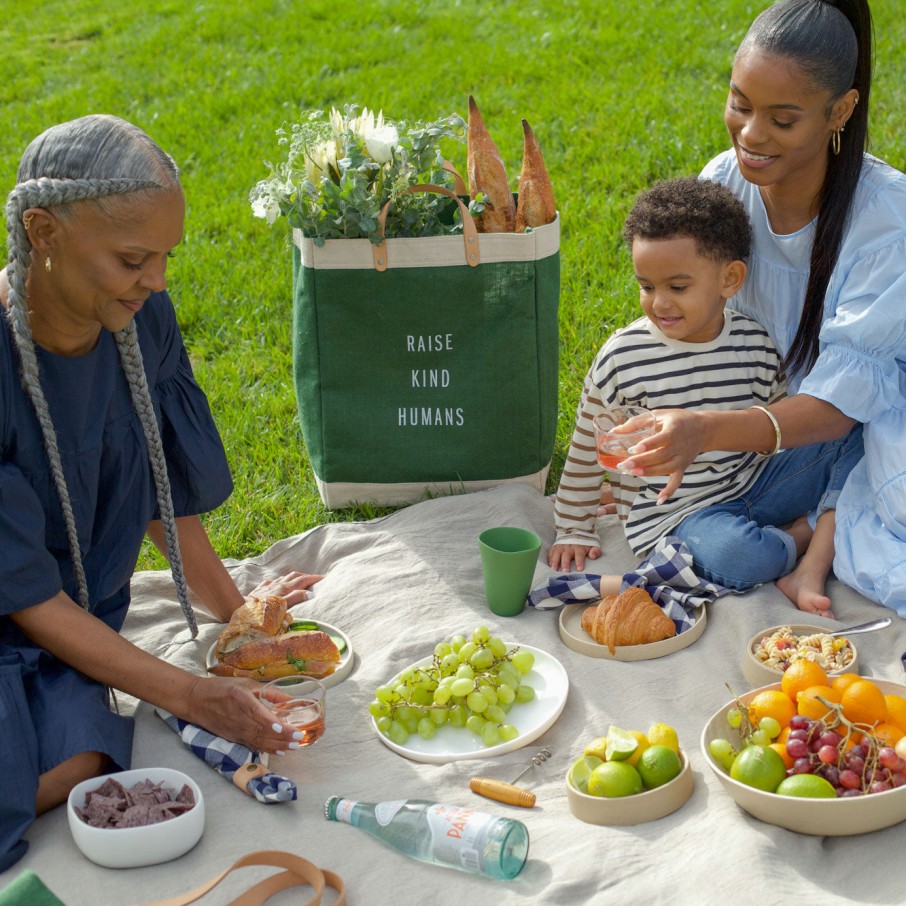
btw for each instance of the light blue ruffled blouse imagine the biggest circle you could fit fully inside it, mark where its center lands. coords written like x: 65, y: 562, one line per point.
x: 861, y: 366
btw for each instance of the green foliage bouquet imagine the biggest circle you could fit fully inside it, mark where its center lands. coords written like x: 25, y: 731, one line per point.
x: 340, y: 169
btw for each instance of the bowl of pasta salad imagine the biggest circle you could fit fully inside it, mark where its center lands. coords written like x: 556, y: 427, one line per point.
x: 771, y: 651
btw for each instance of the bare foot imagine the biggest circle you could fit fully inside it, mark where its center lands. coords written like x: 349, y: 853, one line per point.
x: 806, y: 591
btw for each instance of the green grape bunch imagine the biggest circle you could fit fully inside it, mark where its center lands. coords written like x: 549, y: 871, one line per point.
x: 470, y: 683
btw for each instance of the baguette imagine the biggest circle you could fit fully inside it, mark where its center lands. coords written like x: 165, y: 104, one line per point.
x: 536, y: 205
x: 487, y: 175
x: 257, y: 618
x: 288, y: 654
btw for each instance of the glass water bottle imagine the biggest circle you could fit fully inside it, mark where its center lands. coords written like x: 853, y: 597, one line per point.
x: 448, y: 835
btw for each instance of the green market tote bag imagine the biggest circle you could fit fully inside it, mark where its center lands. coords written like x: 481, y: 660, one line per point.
x: 426, y: 366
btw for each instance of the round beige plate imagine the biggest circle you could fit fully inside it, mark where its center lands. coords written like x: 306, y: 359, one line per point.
x: 575, y: 637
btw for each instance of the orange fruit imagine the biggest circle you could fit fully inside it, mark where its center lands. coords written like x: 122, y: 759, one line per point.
x: 863, y: 703
x: 800, y: 675
x: 771, y: 703
x: 807, y: 701
x: 780, y: 749
x: 896, y: 710
x: 843, y: 680
x: 784, y: 736
x: 888, y: 733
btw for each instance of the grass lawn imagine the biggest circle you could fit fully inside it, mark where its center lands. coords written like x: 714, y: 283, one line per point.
x: 618, y: 94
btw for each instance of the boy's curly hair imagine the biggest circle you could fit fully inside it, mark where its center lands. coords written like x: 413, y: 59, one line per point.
x: 704, y: 211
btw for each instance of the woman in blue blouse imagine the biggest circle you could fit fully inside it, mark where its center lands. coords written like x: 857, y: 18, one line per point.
x: 104, y: 436
x: 827, y: 279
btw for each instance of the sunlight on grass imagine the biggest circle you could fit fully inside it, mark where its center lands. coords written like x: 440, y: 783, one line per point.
x: 618, y: 94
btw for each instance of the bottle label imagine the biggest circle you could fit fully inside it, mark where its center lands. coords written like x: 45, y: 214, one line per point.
x: 344, y: 810
x: 458, y: 835
x: 384, y: 811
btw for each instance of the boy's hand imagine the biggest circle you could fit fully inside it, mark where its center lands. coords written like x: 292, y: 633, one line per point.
x: 560, y: 556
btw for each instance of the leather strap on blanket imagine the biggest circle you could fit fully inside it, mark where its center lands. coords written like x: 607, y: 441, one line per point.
x: 297, y: 872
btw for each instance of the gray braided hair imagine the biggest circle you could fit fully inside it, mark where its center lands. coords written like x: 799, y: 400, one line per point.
x: 89, y: 159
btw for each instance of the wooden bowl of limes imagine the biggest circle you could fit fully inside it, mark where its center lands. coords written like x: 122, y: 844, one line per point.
x: 822, y: 817
x: 624, y: 791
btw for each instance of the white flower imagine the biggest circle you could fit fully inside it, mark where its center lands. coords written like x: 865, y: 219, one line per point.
x: 337, y: 122
x: 363, y: 124
x: 266, y: 206
x: 381, y: 141
x: 318, y: 160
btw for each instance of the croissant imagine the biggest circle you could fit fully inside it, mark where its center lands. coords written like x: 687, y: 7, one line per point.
x: 631, y: 618
x: 487, y: 175
x: 257, y: 618
x: 536, y: 205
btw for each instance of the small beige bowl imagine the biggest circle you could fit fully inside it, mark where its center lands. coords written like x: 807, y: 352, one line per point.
x: 625, y: 810
x: 757, y: 674
x: 822, y: 817
x: 132, y: 847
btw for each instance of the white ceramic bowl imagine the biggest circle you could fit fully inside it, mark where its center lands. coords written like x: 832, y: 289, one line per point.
x: 131, y: 847
x: 648, y: 805
x: 757, y: 674
x: 823, y: 817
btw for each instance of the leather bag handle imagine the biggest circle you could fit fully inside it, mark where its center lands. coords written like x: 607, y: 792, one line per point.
x: 297, y: 872
x: 469, y: 230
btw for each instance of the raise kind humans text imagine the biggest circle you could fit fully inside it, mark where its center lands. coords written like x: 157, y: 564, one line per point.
x: 426, y: 379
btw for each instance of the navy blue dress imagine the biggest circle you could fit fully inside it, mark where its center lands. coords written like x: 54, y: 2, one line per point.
x: 48, y: 711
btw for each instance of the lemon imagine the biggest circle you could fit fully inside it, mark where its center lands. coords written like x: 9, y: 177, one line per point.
x: 581, y: 770
x: 658, y: 765
x: 806, y: 786
x: 614, y: 779
x: 661, y: 734
x: 760, y: 767
x: 597, y: 747
x: 620, y: 744
x: 643, y: 742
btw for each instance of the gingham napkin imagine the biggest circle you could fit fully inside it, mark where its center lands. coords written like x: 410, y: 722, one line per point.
x: 666, y: 574
x: 227, y: 757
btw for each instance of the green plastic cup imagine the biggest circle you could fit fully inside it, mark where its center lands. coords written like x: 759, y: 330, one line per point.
x: 508, y: 558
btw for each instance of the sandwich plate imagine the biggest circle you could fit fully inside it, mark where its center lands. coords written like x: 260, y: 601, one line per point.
x: 346, y: 655
x: 549, y: 680
x: 575, y: 637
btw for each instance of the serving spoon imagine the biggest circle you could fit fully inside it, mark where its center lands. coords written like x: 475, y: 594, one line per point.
x: 870, y: 626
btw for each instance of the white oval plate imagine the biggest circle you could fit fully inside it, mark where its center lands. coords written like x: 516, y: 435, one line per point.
x: 549, y: 680
x: 346, y: 656
x: 575, y: 637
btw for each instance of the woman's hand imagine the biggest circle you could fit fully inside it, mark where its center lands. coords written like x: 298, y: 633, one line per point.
x: 293, y: 587
x: 228, y: 707
x: 679, y: 439
x: 560, y: 556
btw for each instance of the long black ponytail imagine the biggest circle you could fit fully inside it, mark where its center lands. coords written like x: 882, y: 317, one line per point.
x: 830, y: 41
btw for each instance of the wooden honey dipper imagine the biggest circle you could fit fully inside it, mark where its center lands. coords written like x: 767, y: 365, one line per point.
x: 509, y: 793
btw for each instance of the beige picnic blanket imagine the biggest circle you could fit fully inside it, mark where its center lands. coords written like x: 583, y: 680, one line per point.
x: 396, y: 586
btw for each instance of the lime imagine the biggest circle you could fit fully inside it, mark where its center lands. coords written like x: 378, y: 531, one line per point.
x: 581, y: 770
x: 597, y: 747
x: 661, y: 734
x: 613, y: 779
x: 620, y: 744
x: 806, y: 786
x: 760, y: 767
x: 659, y: 765
x: 643, y: 742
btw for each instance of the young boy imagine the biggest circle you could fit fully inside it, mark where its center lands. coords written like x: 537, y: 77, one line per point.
x: 690, y: 240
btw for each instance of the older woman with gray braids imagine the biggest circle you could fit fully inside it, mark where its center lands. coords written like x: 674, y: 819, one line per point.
x: 104, y: 436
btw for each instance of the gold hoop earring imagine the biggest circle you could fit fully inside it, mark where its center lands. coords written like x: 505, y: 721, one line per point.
x: 26, y: 221
x: 47, y: 265
x: 835, y: 141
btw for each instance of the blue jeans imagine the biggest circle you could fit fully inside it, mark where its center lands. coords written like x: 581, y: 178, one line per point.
x: 737, y: 543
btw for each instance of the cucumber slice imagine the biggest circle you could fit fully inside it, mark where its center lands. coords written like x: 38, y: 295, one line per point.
x: 339, y: 641
x: 302, y: 626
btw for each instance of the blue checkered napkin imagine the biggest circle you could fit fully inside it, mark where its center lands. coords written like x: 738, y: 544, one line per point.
x: 227, y: 757
x: 666, y: 574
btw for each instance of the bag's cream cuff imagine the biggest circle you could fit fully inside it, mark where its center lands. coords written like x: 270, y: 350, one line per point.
x: 429, y: 251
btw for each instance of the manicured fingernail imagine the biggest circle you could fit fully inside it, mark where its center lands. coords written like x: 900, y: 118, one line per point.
x: 297, y: 734
x: 295, y: 745
x: 277, y: 728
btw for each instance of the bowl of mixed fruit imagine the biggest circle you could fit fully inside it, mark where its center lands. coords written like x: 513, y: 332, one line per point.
x: 814, y: 753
